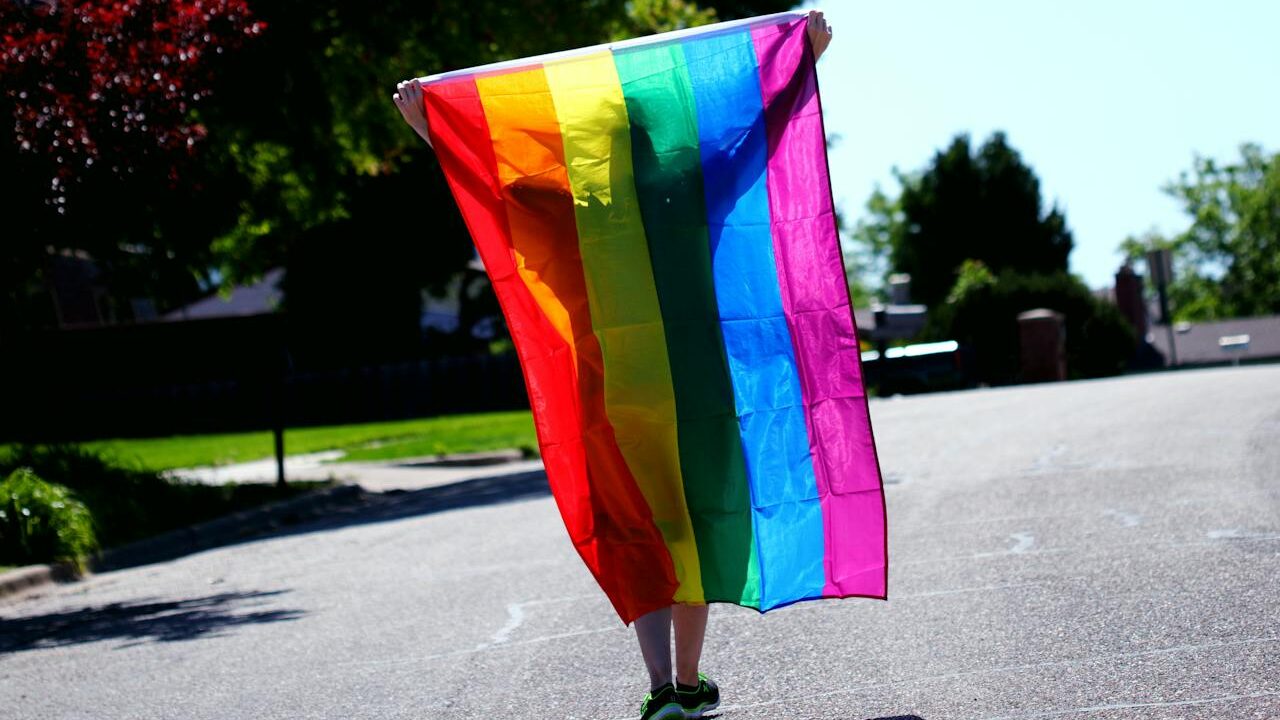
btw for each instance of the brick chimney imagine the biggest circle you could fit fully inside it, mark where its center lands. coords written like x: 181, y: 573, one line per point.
x: 1130, y: 302
x: 1042, y: 339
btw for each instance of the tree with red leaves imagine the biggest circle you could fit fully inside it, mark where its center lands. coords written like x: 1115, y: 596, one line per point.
x: 111, y: 81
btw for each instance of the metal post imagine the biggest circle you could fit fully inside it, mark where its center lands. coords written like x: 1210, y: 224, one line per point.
x: 882, y: 347
x: 279, y: 379
x: 278, y: 431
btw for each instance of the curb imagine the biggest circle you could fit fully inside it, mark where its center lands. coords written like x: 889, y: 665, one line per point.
x: 183, y: 541
x: 24, y: 578
x: 455, y: 460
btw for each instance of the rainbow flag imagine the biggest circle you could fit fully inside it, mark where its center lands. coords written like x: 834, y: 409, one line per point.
x: 656, y: 218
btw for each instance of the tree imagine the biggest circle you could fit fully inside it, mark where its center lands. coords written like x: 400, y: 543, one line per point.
x: 302, y: 132
x: 1227, y: 262
x: 867, y: 258
x: 306, y: 117
x: 330, y: 167
x: 984, y: 206
x: 982, y: 310
x: 114, y: 83
x: 99, y: 136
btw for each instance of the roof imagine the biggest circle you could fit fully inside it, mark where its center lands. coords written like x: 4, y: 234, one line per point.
x: 257, y: 298
x: 1202, y: 343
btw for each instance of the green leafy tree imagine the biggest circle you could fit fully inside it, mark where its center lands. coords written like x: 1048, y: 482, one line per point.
x: 982, y: 205
x: 300, y: 145
x: 973, y: 277
x: 334, y: 186
x: 1227, y: 262
x: 306, y: 115
x: 871, y: 241
x: 982, y: 314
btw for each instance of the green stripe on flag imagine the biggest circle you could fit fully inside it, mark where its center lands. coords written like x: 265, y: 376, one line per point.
x: 668, y: 180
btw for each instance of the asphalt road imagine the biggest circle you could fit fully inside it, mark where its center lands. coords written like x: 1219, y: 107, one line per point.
x: 1106, y: 549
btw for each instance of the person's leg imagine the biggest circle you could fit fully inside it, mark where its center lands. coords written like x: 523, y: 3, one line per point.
x: 698, y: 695
x: 691, y: 627
x: 653, y: 630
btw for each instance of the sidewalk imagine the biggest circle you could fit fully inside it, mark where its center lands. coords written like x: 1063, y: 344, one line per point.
x: 412, y: 473
x: 356, y: 481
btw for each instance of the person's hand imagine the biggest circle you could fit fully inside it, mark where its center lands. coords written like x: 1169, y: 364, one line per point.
x: 819, y: 33
x: 408, y: 100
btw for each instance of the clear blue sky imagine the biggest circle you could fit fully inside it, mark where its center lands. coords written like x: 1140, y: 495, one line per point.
x: 1106, y: 101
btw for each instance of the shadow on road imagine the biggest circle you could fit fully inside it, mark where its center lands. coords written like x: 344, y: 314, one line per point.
x: 394, y: 505
x: 139, y: 622
x: 355, y: 508
x: 397, y: 504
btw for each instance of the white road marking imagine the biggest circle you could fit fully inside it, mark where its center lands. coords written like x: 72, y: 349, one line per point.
x: 1126, y: 519
x: 1091, y: 551
x: 515, y: 618
x: 1022, y: 542
x: 959, y: 591
x: 982, y: 556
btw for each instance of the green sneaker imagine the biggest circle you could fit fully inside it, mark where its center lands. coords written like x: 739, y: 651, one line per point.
x: 662, y: 704
x: 702, y: 699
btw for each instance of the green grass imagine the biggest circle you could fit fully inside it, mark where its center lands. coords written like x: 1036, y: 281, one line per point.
x: 369, y: 441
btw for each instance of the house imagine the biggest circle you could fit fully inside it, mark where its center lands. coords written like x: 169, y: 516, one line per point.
x: 81, y: 294
x: 257, y: 298
x: 1219, y: 342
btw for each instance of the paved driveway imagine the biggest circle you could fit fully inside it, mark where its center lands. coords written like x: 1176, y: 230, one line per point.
x: 1104, y: 549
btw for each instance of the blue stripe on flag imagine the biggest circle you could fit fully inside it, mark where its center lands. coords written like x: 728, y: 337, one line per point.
x: 762, y: 363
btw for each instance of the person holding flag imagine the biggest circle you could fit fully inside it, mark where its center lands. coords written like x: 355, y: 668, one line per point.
x: 682, y: 691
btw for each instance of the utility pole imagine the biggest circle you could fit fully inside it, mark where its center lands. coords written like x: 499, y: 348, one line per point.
x: 1160, y: 267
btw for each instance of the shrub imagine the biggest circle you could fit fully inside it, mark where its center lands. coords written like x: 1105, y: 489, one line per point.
x: 42, y: 522
x: 984, y: 316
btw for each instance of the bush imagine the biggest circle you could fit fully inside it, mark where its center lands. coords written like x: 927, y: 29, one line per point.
x: 984, y: 316
x: 42, y: 522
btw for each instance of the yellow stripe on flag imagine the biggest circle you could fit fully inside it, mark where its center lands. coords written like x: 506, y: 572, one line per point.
x: 639, y: 397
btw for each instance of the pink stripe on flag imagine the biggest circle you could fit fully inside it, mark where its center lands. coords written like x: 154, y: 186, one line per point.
x: 815, y: 299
